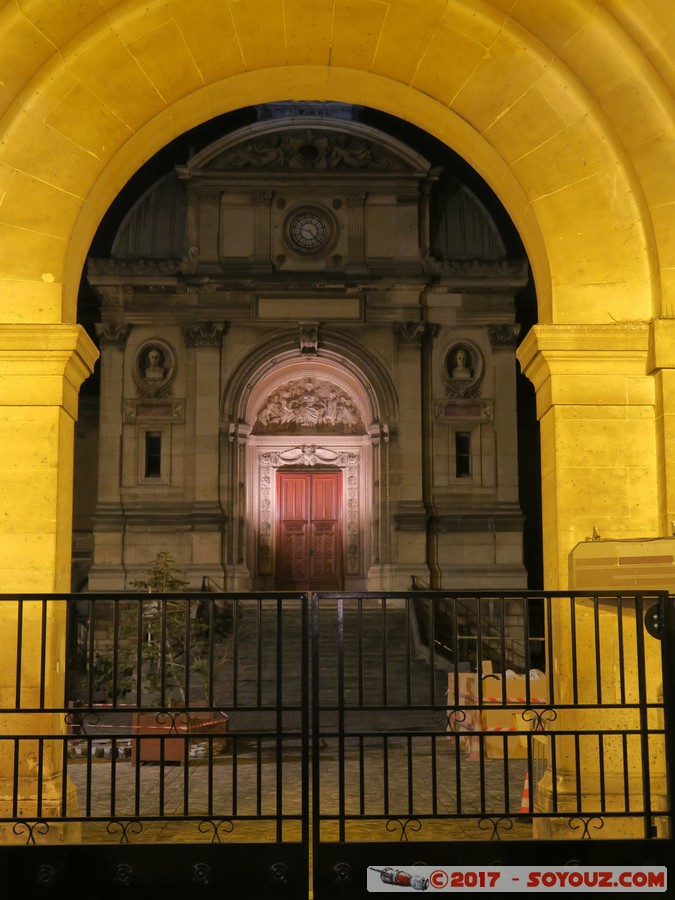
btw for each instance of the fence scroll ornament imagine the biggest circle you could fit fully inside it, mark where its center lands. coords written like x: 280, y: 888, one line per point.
x: 125, y: 827
x: 585, y: 823
x: 495, y: 823
x: 226, y: 826
x: 30, y: 829
x: 404, y: 824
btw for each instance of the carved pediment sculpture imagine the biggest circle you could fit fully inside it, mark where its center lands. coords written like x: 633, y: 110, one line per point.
x: 308, y: 405
x: 310, y: 145
x: 309, y: 150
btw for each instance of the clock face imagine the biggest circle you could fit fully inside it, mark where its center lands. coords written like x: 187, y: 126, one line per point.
x: 308, y: 231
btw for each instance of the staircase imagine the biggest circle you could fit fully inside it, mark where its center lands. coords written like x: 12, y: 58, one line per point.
x: 381, y: 667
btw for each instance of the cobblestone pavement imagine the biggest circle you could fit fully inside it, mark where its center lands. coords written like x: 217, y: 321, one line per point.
x: 416, y: 778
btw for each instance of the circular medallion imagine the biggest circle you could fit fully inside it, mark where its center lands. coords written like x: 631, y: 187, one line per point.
x: 309, y: 231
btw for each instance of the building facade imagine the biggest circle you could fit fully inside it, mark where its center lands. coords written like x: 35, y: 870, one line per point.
x: 308, y: 374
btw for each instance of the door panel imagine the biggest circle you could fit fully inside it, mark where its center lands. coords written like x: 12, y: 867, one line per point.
x: 293, y: 535
x: 324, y: 555
x: 309, y: 535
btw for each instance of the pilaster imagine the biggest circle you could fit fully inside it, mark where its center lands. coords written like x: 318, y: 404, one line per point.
x: 203, y: 341
x: 661, y: 365
x: 596, y: 408
x: 41, y: 370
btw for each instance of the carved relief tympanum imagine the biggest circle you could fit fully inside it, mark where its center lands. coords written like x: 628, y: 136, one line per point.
x: 308, y: 404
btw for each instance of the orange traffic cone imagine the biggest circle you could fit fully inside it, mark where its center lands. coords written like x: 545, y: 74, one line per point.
x: 525, y: 799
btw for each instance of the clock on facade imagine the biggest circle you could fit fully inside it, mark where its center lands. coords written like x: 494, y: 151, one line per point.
x: 309, y: 231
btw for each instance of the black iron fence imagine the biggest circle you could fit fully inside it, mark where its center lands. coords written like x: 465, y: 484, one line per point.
x: 164, y: 720
x: 203, y: 741
x: 483, y: 728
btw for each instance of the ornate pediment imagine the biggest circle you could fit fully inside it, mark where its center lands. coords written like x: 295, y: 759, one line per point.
x: 308, y: 405
x: 307, y: 150
x: 314, y: 147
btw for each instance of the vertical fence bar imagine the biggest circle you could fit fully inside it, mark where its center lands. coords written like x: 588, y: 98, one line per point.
x: 359, y: 632
x: 505, y: 772
x: 187, y: 639
x: 64, y: 774
x: 434, y: 775
x: 458, y: 773
x: 258, y: 658
x: 549, y: 648
x: 341, y: 713
x: 573, y: 633
x: 362, y: 778
x: 385, y: 773
x: 620, y: 647
x: 316, y: 744
x: 235, y: 784
x: 43, y: 651
x: 601, y: 773
x: 279, y: 722
x: 235, y: 650
x: 626, y: 776
x: 211, y: 652
x: 411, y: 796
x: 408, y: 659
x: 163, y: 630
x: 431, y: 641
x: 88, y: 792
x: 577, y: 770
x: 598, y: 652
x: 19, y: 653
x: 644, y: 719
x: 385, y: 662
x: 258, y: 773
x: 115, y: 651
x: 139, y: 662
x: 667, y: 634
x: 502, y: 645
x: 305, y: 740
x: 15, y: 778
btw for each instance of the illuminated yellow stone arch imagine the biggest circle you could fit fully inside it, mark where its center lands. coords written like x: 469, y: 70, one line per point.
x: 567, y: 113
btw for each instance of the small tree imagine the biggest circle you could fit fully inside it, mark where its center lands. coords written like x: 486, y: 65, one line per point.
x: 162, y: 576
x: 176, y: 636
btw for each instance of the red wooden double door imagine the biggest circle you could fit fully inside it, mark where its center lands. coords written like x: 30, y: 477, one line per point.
x: 309, y: 531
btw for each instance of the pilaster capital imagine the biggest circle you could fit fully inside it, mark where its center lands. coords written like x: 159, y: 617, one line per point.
x: 205, y: 334
x: 113, y: 334
x: 662, y: 344
x: 44, y: 365
x: 411, y: 334
x: 588, y: 365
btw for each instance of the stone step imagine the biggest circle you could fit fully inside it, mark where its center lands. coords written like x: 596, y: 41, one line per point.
x: 363, y: 673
